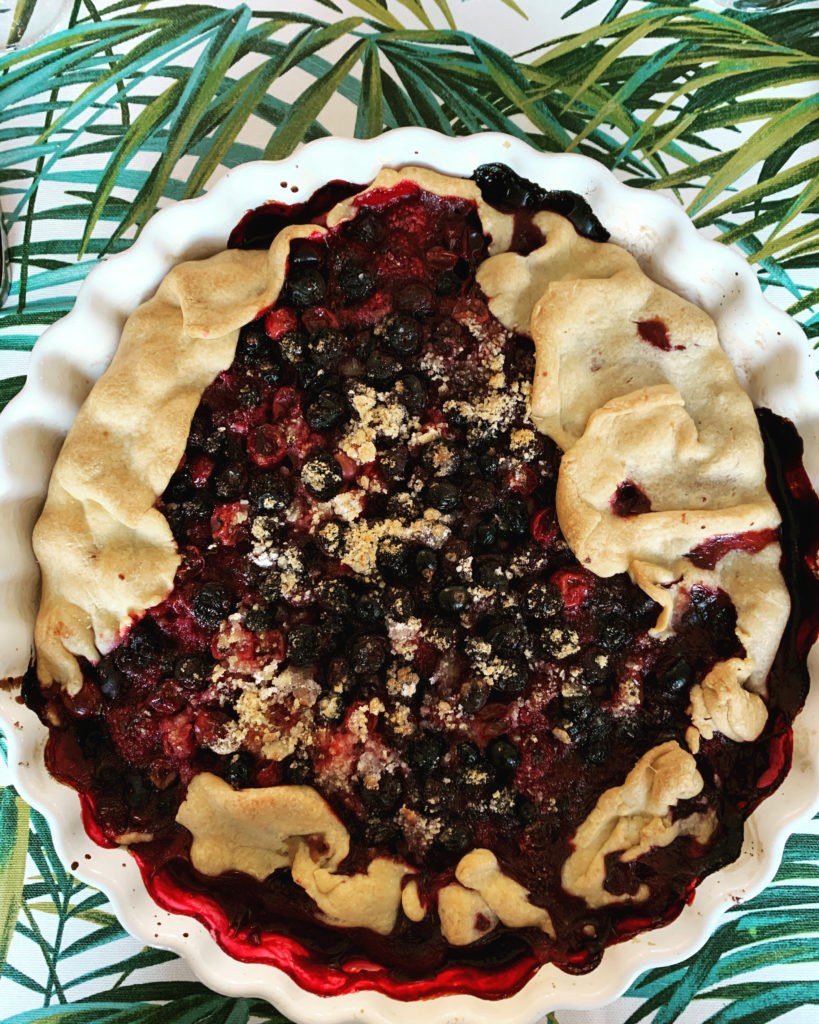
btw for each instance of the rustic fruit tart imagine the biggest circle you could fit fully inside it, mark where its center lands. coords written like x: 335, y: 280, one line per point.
x: 418, y: 604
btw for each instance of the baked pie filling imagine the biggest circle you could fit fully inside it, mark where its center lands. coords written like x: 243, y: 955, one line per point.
x: 413, y: 595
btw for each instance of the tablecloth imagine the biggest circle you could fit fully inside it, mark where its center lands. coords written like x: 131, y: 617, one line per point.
x: 110, y: 110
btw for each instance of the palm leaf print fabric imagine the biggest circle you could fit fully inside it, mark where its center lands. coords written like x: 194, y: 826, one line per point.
x: 110, y: 109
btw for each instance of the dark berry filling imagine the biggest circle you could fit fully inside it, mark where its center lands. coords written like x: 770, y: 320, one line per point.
x: 366, y: 515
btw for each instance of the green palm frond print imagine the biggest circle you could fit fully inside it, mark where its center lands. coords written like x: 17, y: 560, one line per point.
x: 132, y: 104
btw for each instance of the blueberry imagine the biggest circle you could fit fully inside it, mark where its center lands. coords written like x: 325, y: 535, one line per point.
x: 327, y: 346
x: 272, y: 375
x: 378, y: 832
x: 507, y: 637
x: 426, y: 563
x: 326, y: 410
x: 292, y: 345
x: 491, y: 576
x: 309, y: 376
x: 453, y: 598
x: 426, y: 751
x: 137, y: 792
x: 271, y: 586
x: 677, y: 678
x: 484, y: 534
x: 448, y: 282
x: 270, y: 492
x: 238, y: 769
x: 469, y: 754
x: 381, y: 368
x: 112, y: 682
x: 503, y: 755
x: 489, y: 463
x: 369, y: 229
x: 412, y: 392
x: 455, y: 837
x: 473, y: 696
x: 322, y: 476
x: 513, y: 516
x: 443, y: 495
x: 303, y: 645
x: 258, y: 619
x: 614, y: 633
x: 307, y: 287
x: 254, y: 344
x: 384, y: 797
x: 298, y: 771
x: 369, y: 608
x: 544, y: 600
x: 525, y: 810
x: 211, y: 604
x: 511, y: 676
x: 368, y: 653
x: 402, y: 333
x: 334, y: 595
x: 356, y: 283
x: 416, y: 298
x: 229, y: 483
x: 248, y: 396
x: 395, y: 464
x: 304, y: 254
x: 394, y: 559
x: 441, y: 457
x: 190, y: 670
x: 400, y: 603
x: 331, y: 708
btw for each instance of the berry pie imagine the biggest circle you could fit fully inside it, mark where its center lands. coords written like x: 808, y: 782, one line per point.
x: 423, y: 598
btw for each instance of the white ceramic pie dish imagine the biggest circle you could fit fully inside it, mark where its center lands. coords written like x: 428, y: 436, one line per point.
x: 767, y: 348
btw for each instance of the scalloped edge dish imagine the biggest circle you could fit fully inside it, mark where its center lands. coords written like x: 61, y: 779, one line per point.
x: 768, y: 350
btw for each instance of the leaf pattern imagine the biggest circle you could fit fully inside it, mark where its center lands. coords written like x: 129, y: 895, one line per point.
x: 158, y: 97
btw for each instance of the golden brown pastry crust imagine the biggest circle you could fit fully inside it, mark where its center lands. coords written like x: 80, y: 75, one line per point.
x: 669, y: 417
x: 105, y: 553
